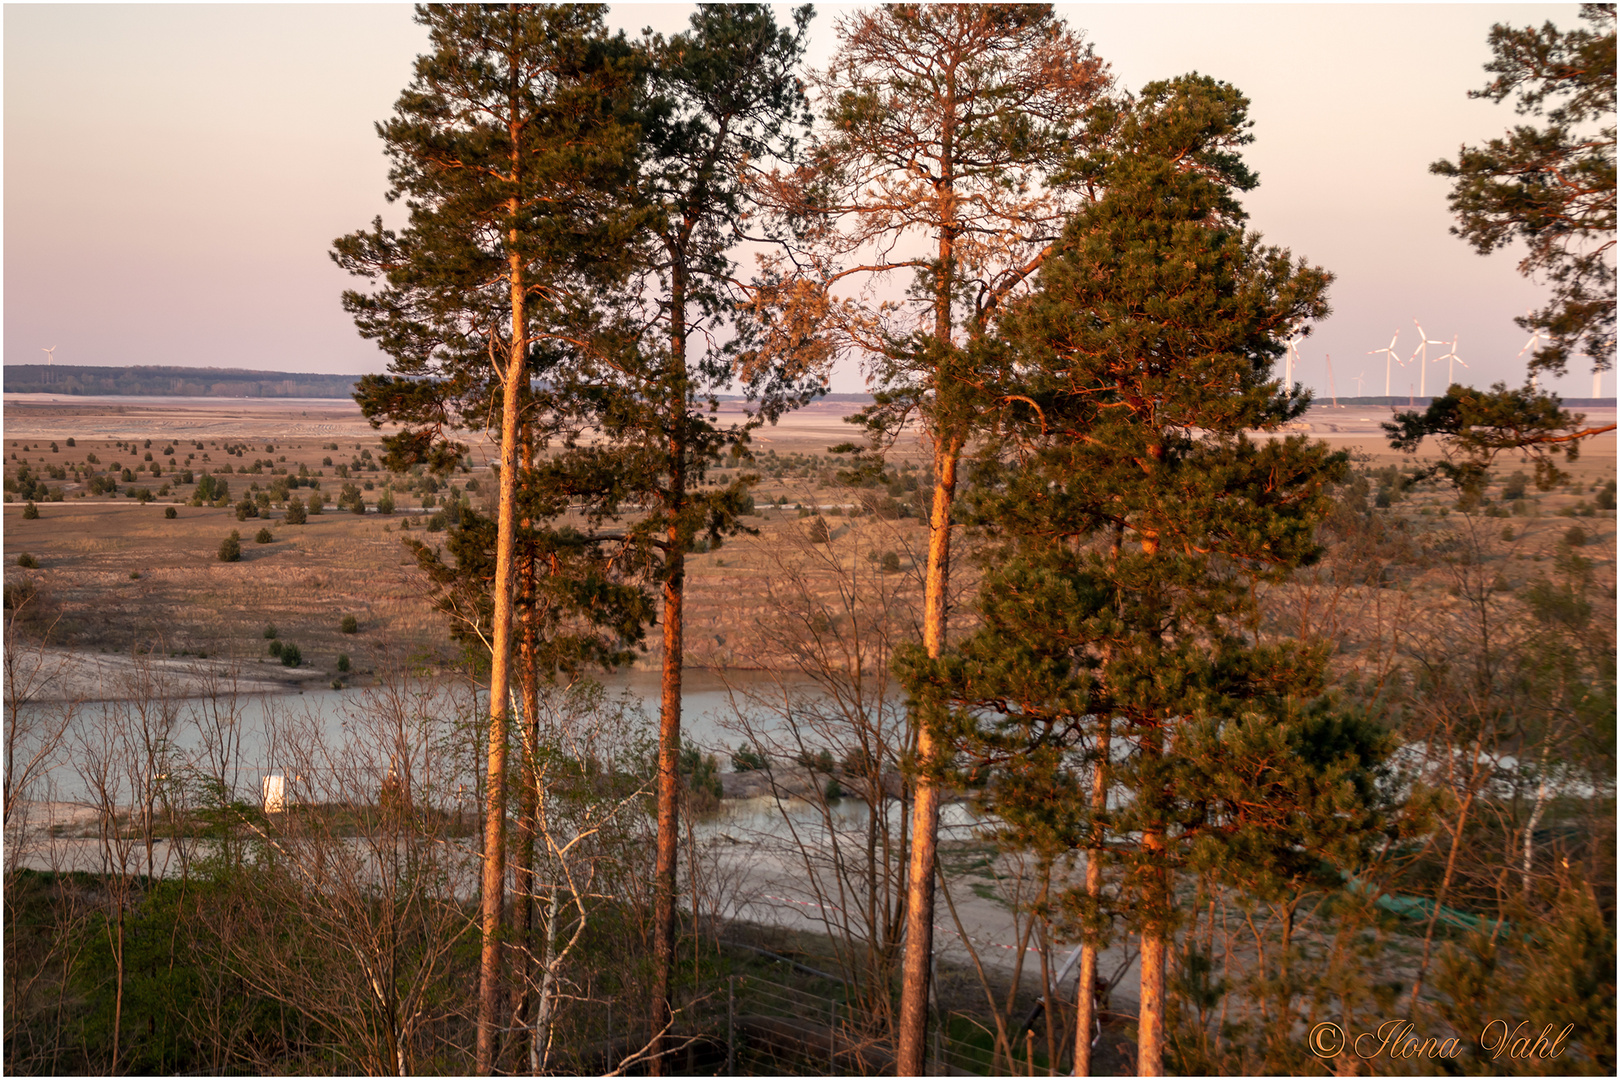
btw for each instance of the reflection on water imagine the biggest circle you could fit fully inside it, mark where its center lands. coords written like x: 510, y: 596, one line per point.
x: 709, y: 705
x: 749, y: 820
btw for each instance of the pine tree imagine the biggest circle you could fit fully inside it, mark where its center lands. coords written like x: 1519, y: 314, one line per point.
x: 503, y: 146
x: 1552, y: 187
x: 1138, y: 521
x: 723, y: 99
x: 946, y: 121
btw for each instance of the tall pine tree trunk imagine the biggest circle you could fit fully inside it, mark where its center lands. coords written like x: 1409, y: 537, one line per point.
x: 913, y: 1019
x: 500, y: 676
x: 1150, y: 1013
x: 1086, y: 990
x: 529, y: 686
x: 669, y: 716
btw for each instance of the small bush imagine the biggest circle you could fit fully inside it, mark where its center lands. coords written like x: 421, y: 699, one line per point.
x: 1575, y: 536
x: 230, y: 549
x: 349, y: 625
x: 170, y: 513
x: 270, y: 632
x: 290, y: 656
x: 70, y: 442
x: 27, y: 561
x: 890, y: 563
x: 747, y: 759
x: 343, y: 662
x: 245, y: 509
x: 1515, y: 486
x: 30, y: 511
x: 263, y: 537
x: 819, y: 533
x: 295, y: 511
x: 134, y: 575
x: 276, y: 647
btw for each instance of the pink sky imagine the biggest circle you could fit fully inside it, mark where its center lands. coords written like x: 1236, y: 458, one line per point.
x: 174, y: 175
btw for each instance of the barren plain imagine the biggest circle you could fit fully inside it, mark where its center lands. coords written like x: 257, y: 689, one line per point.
x: 114, y: 574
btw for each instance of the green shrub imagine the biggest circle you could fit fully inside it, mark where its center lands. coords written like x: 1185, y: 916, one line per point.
x: 890, y: 563
x: 170, y: 513
x: 819, y: 533
x: 263, y: 537
x: 1515, y: 486
x: 295, y: 511
x: 1605, y: 497
x: 748, y: 758
x: 27, y: 561
x: 385, y: 501
x: 276, y: 647
x: 30, y: 511
x: 290, y: 656
x: 70, y: 442
x: 349, y: 625
x: 1575, y: 536
x: 230, y: 549
x: 343, y: 662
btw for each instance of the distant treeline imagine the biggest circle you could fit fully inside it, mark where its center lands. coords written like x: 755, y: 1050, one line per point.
x: 174, y: 382
x: 1403, y: 402
x: 207, y: 382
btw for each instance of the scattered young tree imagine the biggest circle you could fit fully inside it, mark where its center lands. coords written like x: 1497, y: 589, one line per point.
x: 230, y: 548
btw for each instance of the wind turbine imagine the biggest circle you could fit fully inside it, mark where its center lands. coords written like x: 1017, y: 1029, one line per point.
x: 1390, y: 358
x: 50, y: 354
x: 1289, y: 359
x: 1454, y: 360
x: 1358, y: 382
x: 1331, y: 392
x: 1597, y: 382
x: 1421, y: 355
x: 1535, y: 340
